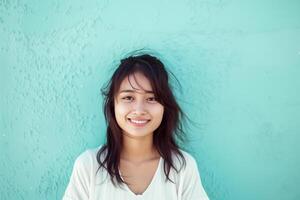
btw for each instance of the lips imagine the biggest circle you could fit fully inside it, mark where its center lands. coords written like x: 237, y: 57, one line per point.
x: 138, y: 122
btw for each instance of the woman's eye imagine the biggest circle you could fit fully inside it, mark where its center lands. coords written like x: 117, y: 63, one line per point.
x: 152, y: 99
x: 128, y: 98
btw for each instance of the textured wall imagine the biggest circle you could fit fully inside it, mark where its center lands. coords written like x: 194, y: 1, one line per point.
x: 238, y: 62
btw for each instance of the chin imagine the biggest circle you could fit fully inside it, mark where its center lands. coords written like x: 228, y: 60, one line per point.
x: 137, y: 134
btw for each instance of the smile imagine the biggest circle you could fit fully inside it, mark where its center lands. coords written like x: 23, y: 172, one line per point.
x: 138, y: 123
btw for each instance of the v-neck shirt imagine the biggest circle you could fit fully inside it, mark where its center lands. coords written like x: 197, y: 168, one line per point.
x: 85, y: 184
x: 151, y: 182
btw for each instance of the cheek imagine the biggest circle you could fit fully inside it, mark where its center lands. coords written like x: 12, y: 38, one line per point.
x: 121, y: 111
x: 158, y: 112
x: 120, y: 115
x: 157, y: 115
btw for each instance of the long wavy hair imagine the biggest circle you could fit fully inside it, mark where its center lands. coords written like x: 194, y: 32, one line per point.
x: 166, y: 137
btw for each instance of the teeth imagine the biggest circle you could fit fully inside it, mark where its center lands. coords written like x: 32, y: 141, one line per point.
x: 138, y: 121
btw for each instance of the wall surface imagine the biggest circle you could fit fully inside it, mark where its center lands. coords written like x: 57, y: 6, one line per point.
x: 238, y: 63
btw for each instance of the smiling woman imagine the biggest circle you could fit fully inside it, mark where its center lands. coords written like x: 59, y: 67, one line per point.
x: 136, y: 110
x: 141, y: 158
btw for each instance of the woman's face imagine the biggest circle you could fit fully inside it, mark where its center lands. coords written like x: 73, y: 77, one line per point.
x: 137, y: 112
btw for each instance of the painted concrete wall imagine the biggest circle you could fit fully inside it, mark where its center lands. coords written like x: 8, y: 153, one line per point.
x: 238, y: 63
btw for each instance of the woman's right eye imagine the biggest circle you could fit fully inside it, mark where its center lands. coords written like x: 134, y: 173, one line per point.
x: 128, y: 98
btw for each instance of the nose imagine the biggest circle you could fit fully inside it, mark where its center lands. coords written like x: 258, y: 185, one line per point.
x: 139, y: 108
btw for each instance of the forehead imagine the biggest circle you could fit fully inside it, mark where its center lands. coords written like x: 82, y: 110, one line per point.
x: 136, y: 81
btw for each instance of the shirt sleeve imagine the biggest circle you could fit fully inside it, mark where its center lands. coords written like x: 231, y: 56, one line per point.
x: 192, y: 185
x: 79, y: 184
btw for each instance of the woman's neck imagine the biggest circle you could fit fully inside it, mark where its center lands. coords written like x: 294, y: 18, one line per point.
x: 137, y: 149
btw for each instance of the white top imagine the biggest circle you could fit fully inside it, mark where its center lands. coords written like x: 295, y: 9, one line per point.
x: 84, y: 185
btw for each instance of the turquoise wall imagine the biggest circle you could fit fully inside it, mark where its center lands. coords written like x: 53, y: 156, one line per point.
x: 238, y: 63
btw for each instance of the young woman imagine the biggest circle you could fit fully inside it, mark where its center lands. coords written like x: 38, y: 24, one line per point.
x: 141, y: 158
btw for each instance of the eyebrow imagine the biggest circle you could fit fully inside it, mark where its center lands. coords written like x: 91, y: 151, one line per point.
x: 132, y: 91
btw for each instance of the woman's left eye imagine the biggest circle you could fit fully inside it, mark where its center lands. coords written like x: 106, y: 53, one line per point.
x: 152, y: 99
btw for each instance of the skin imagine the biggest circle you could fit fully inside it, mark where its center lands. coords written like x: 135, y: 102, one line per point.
x: 137, y: 101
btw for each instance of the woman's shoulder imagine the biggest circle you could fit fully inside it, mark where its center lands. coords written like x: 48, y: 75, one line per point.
x: 187, y: 155
x: 88, y: 156
x: 189, y: 160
